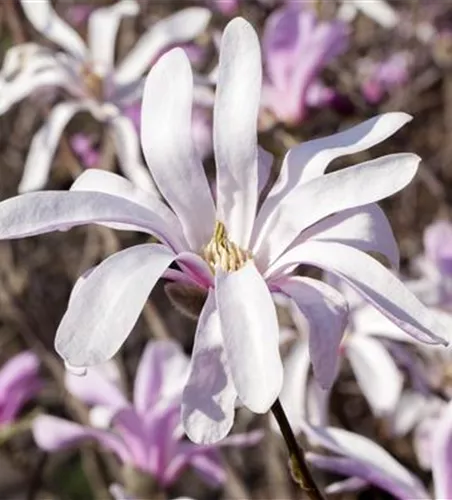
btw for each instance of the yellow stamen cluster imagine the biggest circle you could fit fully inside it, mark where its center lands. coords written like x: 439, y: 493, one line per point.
x: 93, y: 83
x: 223, y: 252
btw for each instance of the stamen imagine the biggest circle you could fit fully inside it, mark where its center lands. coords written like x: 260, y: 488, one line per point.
x: 220, y: 251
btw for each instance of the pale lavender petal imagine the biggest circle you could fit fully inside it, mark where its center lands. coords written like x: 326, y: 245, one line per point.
x: 45, y: 20
x: 177, y: 28
x: 209, y: 396
x: 347, y: 485
x: 235, y: 129
x: 250, y: 331
x: 326, y: 312
x: 21, y: 367
x: 128, y: 150
x: 210, y: 468
x: 438, y: 245
x: 442, y: 455
x: 42, y: 212
x: 103, y: 27
x: 352, y: 187
x: 374, y: 282
x: 44, y: 145
x: 102, y: 314
x: 376, y: 373
x: 168, y: 146
x: 54, y: 434
x: 160, y: 376
x: 310, y: 159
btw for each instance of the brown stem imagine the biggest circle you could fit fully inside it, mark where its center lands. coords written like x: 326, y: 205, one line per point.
x: 299, y: 467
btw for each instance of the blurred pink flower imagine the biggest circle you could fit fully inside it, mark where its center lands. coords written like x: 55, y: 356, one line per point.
x: 84, y: 147
x: 78, y: 14
x: 233, y: 251
x: 88, y: 74
x: 297, y: 46
x: 147, y: 433
x: 19, y: 382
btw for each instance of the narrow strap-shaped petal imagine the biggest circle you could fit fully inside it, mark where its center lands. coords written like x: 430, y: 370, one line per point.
x: 310, y: 159
x: 168, y: 146
x: 235, y: 129
x: 20, y: 367
x: 250, y: 331
x: 376, y: 373
x: 374, y: 282
x: 161, y: 375
x: 208, y: 400
x: 54, y: 434
x: 379, y: 11
x: 44, y: 145
x: 442, y: 455
x: 45, y: 20
x: 326, y: 312
x: 351, y: 484
x: 128, y: 150
x: 42, y: 212
x: 103, y: 312
x: 177, y: 28
x: 315, y: 200
x: 103, y: 26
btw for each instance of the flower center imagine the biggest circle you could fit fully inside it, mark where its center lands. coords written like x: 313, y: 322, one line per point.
x: 221, y: 251
x: 94, y: 83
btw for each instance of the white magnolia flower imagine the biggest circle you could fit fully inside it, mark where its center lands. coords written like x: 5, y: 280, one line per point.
x: 88, y: 74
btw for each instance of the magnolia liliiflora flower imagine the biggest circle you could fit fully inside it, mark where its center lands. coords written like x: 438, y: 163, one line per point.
x: 88, y: 75
x: 238, y: 252
x: 146, y: 434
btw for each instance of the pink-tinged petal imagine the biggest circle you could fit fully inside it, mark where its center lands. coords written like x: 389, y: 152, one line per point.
x: 264, y: 168
x: 45, y: 20
x: 374, y: 282
x: 376, y: 373
x: 235, y: 129
x: 352, y: 484
x: 365, y: 228
x: 119, y: 493
x: 102, y: 314
x: 44, y: 145
x: 103, y: 27
x: 293, y: 395
x: 352, y: 187
x: 19, y: 368
x: 250, y: 331
x: 363, y: 458
x: 95, y: 388
x: 54, y: 434
x: 210, y: 467
x: 115, y: 185
x: 310, y: 159
x: 196, y: 268
x: 168, y: 146
x: 128, y: 150
x: 161, y: 375
x: 442, y: 455
x: 326, y: 312
x: 177, y: 28
x: 42, y: 212
x: 438, y: 245
x: 208, y: 400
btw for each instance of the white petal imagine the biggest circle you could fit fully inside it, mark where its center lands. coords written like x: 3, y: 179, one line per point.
x: 376, y: 373
x: 379, y: 11
x: 374, y: 282
x: 45, y: 20
x: 326, y: 312
x: 251, y: 336
x: 310, y: 159
x: 177, y: 28
x: 103, y: 26
x: 442, y: 455
x: 128, y: 150
x: 235, y: 129
x: 106, y: 307
x: 208, y: 401
x: 315, y: 200
x: 44, y: 145
x: 168, y: 146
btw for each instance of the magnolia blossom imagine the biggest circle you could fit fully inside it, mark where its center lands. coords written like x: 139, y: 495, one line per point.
x: 19, y: 382
x: 296, y: 48
x: 235, y: 253
x: 146, y: 434
x: 366, y: 463
x: 87, y: 73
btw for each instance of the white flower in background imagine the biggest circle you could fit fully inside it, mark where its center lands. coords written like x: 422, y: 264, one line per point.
x: 88, y: 74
